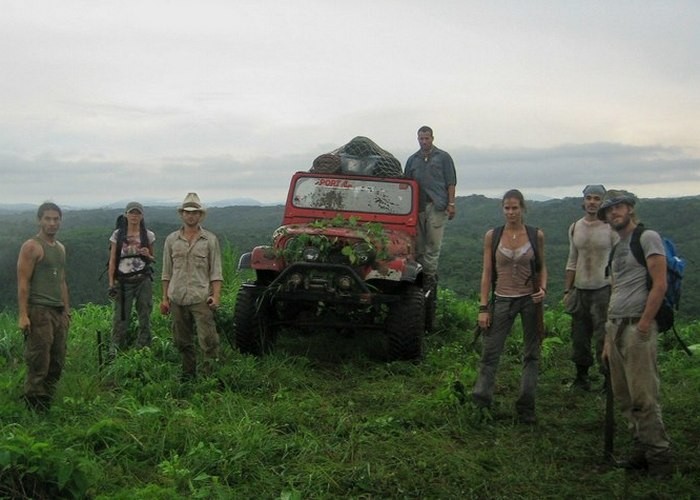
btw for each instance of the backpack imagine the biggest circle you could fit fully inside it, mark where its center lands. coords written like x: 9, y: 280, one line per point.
x: 675, y: 267
x: 121, y: 225
x: 535, y: 264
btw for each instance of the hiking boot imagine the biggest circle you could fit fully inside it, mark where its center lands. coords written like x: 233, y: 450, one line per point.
x: 527, y: 418
x: 38, y: 404
x: 459, y: 391
x: 661, y: 470
x: 637, y: 460
x: 481, y: 408
x: 660, y: 465
x: 582, y: 382
x: 481, y: 414
x: 188, y: 376
x: 209, y: 366
x: 189, y: 366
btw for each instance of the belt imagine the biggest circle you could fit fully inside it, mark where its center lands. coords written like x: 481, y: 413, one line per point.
x: 59, y: 309
x: 132, y: 279
x: 625, y: 321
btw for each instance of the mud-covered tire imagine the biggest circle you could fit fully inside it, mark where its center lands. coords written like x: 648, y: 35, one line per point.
x: 251, y: 333
x: 405, y: 325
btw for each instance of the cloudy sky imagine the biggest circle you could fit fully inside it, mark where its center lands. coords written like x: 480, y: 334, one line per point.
x: 103, y: 101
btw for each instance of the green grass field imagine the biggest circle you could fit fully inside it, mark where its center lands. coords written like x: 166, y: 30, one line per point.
x: 326, y: 417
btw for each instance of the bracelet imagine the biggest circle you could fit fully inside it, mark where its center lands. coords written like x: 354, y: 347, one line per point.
x: 451, y: 204
x: 566, y: 291
x: 483, y: 309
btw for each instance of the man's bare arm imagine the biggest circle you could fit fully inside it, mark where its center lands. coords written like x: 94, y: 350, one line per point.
x: 29, y: 255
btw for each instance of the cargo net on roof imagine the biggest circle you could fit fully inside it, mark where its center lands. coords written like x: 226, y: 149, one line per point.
x: 360, y: 156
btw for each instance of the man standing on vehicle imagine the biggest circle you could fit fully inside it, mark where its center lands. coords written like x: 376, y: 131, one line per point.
x: 192, y: 279
x: 434, y: 171
x: 631, y: 331
x: 44, y: 309
x: 587, y: 288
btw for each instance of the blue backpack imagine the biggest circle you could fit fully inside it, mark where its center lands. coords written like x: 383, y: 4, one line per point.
x: 675, y: 266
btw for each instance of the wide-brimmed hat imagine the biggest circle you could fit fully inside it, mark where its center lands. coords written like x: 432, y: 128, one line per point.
x: 192, y: 204
x: 615, y: 197
x: 133, y: 205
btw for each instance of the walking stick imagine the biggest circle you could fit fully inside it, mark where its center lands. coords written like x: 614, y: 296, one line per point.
x: 609, y: 433
x: 478, y: 331
x: 100, y: 360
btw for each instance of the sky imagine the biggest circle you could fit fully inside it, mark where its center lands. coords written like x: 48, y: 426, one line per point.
x: 103, y: 102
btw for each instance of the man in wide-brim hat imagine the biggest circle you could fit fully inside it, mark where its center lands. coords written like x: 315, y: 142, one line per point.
x: 638, y: 291
x: 191, y: 203
x: 192, y: 279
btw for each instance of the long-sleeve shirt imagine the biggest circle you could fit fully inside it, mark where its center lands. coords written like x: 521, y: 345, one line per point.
x: 435, y: 172
x: 190, y: 269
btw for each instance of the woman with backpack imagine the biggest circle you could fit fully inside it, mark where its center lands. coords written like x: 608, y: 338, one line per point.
x: 513, y: 282
x: 130, y: 259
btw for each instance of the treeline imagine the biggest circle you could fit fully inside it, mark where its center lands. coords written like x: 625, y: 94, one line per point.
x: 86, y: 233
x: 460, y: 261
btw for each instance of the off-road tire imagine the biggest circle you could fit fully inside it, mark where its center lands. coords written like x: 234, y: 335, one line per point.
x: 430, y: 308
x: 405, y: 325
x: 251, y: 334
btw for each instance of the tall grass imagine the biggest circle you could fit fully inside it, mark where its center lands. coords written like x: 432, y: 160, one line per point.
x: 324, y: 417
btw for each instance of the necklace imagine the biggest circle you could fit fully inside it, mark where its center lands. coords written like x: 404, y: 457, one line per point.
x: 514, y: 234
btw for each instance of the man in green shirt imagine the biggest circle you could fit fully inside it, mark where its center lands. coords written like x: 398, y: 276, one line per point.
x: 44, y: 309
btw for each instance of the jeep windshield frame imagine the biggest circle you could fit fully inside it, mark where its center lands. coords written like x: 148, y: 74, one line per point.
x: 353, y: 195
x: 392, y: 201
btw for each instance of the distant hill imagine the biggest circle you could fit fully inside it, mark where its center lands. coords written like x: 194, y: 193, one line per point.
x: 17, y: 207
x: 86, y: 232
x: 153, y: 202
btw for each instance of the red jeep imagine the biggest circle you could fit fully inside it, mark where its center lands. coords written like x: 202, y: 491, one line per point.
x: 343, y: 258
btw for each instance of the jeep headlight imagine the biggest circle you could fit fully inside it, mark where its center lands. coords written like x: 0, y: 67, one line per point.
x: 363, y: 252
x: 310, y: 254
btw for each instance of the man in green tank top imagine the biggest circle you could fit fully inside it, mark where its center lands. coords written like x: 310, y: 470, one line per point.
x: 44, y: 309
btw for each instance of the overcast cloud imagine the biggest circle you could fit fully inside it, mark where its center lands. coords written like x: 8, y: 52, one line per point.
x: 113, y: 100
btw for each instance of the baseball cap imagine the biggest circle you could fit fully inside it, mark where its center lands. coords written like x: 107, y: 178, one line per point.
x: 134, y: 205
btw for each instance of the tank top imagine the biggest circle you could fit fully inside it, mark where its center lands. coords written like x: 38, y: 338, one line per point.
x: 48, y: 276
x: 514, y: 271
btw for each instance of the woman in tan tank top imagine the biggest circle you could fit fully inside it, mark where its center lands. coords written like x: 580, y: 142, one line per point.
x: 518, y: 285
